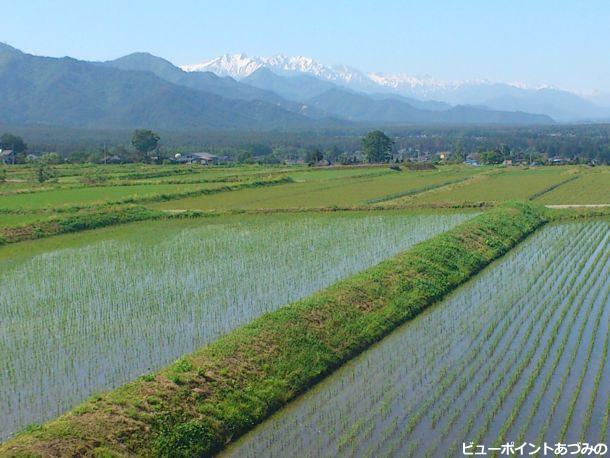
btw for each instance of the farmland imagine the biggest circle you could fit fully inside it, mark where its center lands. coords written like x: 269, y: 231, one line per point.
x: 212, y: 280
x: 145, y: 288
x: 504, y: 357
x: 591, y: 188
x: 323, y: 191
x: 498, y: 186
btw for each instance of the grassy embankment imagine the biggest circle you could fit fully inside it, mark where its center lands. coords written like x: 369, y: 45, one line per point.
x: 208, y: 398
x: 82, y: 217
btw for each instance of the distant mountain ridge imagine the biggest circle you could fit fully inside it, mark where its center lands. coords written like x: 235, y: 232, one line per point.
x: 66, y: 91
x: 142, y: 90
x: 558, y: 104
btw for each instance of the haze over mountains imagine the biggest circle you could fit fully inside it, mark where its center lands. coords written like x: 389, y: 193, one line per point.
x: 142, y: 90
x: 561, y: 105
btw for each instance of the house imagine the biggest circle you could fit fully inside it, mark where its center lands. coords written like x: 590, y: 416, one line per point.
x: 199, y: 158
x: 32, y: 157
x: 7, y: 156
x: 557, y: 160
x: 507, y: 162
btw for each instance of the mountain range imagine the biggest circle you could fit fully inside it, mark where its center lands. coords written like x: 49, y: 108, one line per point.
x: 142, y: 90
x: 561, y: 105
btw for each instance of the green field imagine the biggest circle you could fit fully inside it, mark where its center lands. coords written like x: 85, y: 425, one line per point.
x: 454, y: 185
x: 591, y: 188
x: 497, y: 186
x: 91, y: 195
x: 7, y: 220
x: 324, y: 189
x: 165, y: 288
x: 88, y: 311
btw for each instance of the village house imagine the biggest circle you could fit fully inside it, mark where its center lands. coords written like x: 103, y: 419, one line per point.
x: 199, y: 158
x: 558, y: 160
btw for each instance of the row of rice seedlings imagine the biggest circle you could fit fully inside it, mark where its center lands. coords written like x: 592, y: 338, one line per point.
x: 577, y: 391
x: 534, y: 374
x: 560, y: 390
x: 604, y: 430
x: 598, y: 409
x: 503, y: 377
x: 577, y: 364
x: 317, y: 421
x: 535, y: 403
x: 501, y: 385
x: 106, y: 313
x: 526, y: 390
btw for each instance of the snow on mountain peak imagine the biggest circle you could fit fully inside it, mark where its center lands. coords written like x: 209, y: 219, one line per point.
x: 234, y: 65
x: 240, y: 66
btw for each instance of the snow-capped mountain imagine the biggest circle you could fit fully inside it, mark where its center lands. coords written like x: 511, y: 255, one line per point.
x: 559, y: 104
x: 240, y: 66
x: 403, y: 81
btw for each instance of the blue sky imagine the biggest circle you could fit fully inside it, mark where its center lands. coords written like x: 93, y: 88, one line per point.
x: 562, y: 43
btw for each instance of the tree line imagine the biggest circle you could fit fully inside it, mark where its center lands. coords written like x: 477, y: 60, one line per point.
x: 491, y: 144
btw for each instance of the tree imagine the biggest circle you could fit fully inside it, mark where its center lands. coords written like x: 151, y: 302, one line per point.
x: 50, y: 158
x: 10, y: 141
x: 377, y: 146
x: 492, y: 157
x: 145, y: 141
x: 314, y: 156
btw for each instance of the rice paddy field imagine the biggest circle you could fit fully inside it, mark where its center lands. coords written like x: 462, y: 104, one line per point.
x: 109, y: 306
x: 500, y: 185
x: 591, y: 188
x: 519, y: 353
x: 88, y: 195
x: 313, y: 190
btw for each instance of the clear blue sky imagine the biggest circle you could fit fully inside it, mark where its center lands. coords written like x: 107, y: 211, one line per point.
x: 564, y: 43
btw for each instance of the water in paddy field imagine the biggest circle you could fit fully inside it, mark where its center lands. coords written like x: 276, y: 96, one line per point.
x: 77, y: 321
x: 519, y: 353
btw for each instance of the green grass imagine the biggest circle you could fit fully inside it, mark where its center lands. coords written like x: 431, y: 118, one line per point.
x: 498, y: 186
x: 350, y: 187
x: 92, y: 195
x: 7, y: 220
x: 77, y: 221
x: 195, y: 406
x: 591, y: 188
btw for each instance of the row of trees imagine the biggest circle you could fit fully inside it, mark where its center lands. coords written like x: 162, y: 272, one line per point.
x: 491, y: 145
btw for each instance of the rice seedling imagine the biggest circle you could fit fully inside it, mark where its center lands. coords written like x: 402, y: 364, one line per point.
x: 84, y: 319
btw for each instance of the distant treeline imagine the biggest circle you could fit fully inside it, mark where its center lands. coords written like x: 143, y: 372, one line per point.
x: 584, y: 142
